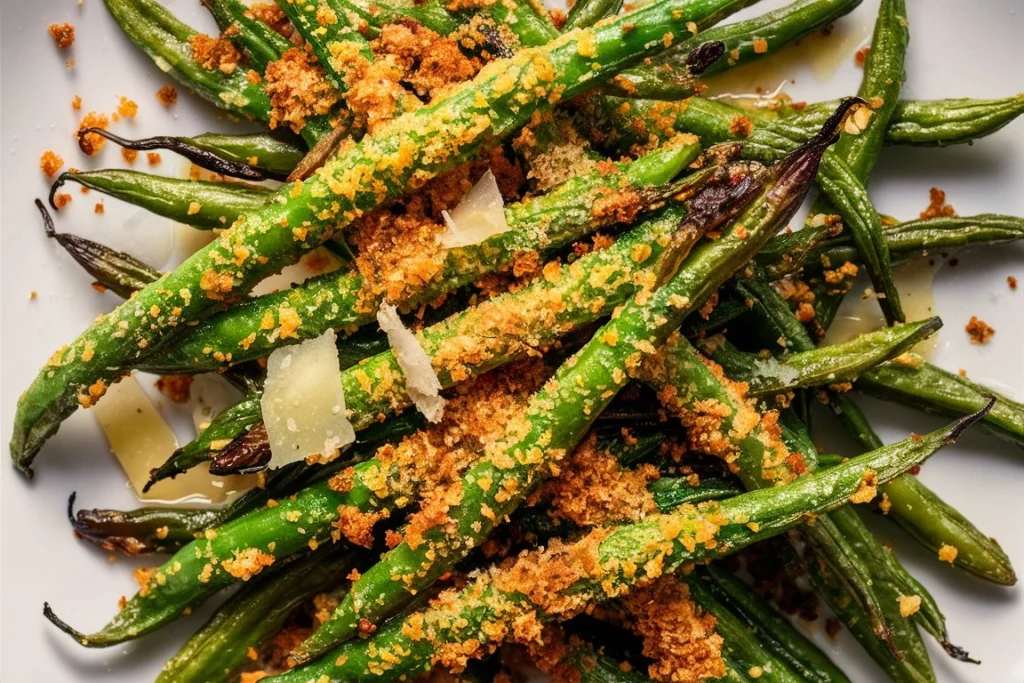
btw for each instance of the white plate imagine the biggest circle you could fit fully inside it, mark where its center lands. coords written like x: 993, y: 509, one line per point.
x: 957, y: 49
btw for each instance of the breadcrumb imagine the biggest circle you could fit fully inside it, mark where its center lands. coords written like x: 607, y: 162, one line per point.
x: 175, y: 387
x: 1012, y: 282
x: 50, y: 163
x: 297, y: 90
x: 76, y: 103
x: 62, y: 34
x: 167, y: 95
x: 91, y: 143
x: 909, y: 605
x: 937, y: 206
x: 127, y: 108
x: 948, y: 553
x: 979, y: 331
x: 61, y: 199
x: 861, y: 55
x: 153, y: 158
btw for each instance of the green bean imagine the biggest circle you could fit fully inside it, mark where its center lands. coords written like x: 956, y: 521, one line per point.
x: 820, y: 366
x: 671, y: 492
x: 147, y: 530
x: 418, y: 145
x: 558, y: 416
x: 321, y: 34
x: 918, y: 383
x: 260, y: 43
x: 431, y: 13
x: 199, y: 203
x: 616, y: 559
x: 912, y: 505
x: 343, y: 300
x: 666, y: 81
x: 255, y: 156
x: 120, y: 272
x: 219, y: 649
x: 167, y: 41
x: 586, y: 13
x: 770, y: 627
x: 935, y: 123
x: 816, y: 247
x: 746, y: 650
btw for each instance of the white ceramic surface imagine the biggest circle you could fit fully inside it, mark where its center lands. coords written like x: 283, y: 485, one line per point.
x: 957, y: 49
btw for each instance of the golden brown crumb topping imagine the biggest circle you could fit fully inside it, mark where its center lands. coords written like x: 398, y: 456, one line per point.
x: 678, y: 635
x: 61, y: 199
x: 175, y: 387
x: 1011, y: 281
x: 50, y: 163
x: 167, y: 95
x: 127, y: 108
x: 215, y: 53
x: 62, y: 34
x: 297, y: 90
x: 271, y: 15
x: 948, y: 553
x: 430, y: 63
x: 978, y: 330
x: 937, y: 206
x: 593, y: 488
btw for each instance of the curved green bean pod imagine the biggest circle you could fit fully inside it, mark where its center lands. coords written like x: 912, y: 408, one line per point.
x: 200, y: 203
x: 219, y: 649
x: 586, y: 13
x: 260, y: 43
x: 621, y: 557
x: 822, y: 365
x: 410, y: 149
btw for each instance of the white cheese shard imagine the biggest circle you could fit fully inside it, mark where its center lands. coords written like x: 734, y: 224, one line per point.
x: 420, y: 381
x: 141, y: 440
x: 304, y: 404
x: 480, y: 215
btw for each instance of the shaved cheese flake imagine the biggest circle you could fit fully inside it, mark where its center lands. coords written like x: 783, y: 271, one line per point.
x: 480, y: 215
x: 142, y: 440
x: 303, y: 402
x: 420, y: 381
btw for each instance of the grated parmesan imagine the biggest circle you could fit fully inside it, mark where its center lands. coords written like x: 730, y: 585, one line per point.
x: 421, y: 383
x: 479, y: 216
x: 303, y: 402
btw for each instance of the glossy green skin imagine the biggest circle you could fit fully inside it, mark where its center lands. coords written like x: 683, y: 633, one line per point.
x: 769, y: 627
x: 774, y: 510
x: 430, y: 13
x: 822, y: 365
x: 932, y: 389
x: 932, y: 123
x: 745, y: 650
x: 317, y: 503
x: 406, y: 152
x: 828, y: 546
x: 321, y: 36
x: 340, y: 300
x: 219, y: 649
x: 260, y: 43
x: 220, y: 204
x: 274, y: 156
x: 912, y: 506
x: 561, y: 412
x: 586, y: 13
x: 814, y: 248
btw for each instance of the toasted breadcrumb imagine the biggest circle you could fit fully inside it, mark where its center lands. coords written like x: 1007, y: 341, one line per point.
x: 99, y: 208
x: 1011, y: 281
x: 297, y: 89
x: 175, y: 387
x: 979, y: 331
x: 50, y: 163
x: 62, y: 34
x: 948, y: 553
x: 247, y: 563
x: 127, y: 108
x: 937, y: 206
x: 271, y: 15
x: 167, y: 95
x: 909, y: 605
x: 130, y: 155
x: 153, y: 158
x: 215, y: 53
x: 33, y: 295
x: 61, y: 199
x: 91, y: 143
x: 678, y: 635
x: 861, y: 56
x: 760, y: 46
x: 76, y: 103
x: 741, y: 126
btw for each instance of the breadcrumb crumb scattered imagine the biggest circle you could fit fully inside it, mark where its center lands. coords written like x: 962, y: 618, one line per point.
x: 167, y: 95
x: 948, y: 553
x: 62, y: 34
x: 937, y: 205
x: 862, y: 55
x: 153, y: 158
x: 61, y: 200
x: 76, y: 103
x: 1012, y: 282
x: 909, y: 605
x: 91, y: 143
x: 50, y: 163
x: 979, y: 331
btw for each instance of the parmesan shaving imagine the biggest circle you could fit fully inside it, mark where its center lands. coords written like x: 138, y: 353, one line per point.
x: 421, y: 383
x: 479, y: 216
x: 304, y: 404
x: 141, y: 440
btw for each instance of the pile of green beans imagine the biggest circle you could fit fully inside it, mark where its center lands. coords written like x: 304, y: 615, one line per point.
x: 675, y: 314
